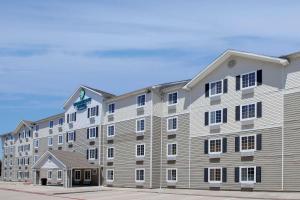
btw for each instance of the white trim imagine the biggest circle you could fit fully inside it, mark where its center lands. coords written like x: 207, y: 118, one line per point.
x: 171, y: 181
x: 248, y: 150
x: 209, y: 117
x: 221, y: 174
x: 61, y: 174
x: 86, y: 170
x: 219, y: 94
x: 241, y: 112
x: 94, y: 137
x: 140, y: 181
x: 212, y: 153
x: 169, y: 118
x: 136, y: 125
x: 240, y: 175
x: 167, y: 153
x: 113, y: 178
x: 140, y: 156
x: 137, y: 100
x: 70, y: 141
x: 249, y: 87
x: 79, y: 175
x: 111, y: 158
x: 172, y: 104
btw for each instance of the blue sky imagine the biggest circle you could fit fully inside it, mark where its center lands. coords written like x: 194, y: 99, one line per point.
x: 49, y: 48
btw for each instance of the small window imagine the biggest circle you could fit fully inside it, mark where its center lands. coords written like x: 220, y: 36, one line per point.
x: 59, y: 175
x: 216, y: 88
x: 172, y: 123
x: 248, y: 143
x: 141, y: 100
x: 248, y: 80
x: 92, y: 154
x: 61, y: 121
x: 171, y: 175
x: 140, y: 175
x: 215, y: 175
x: 140, y: 150
x: 110, y: 153
x: 72, y: 117
x: 215, y: 117
x: 37, y: 127
x: 35, y: 158
x: 215, y: 146
x: 71, y: 136
x: 110, y: 130
x: 172, y: 149
x: 50, y: 141
x: 92, y: 133
x: 51, y: 124
x: 36, y: 143
x: 248, y: 111
x: 111, y: 108
x: 60, y: 139
x: 93, y: 111
x: 77, y: 175
x: 87, y: 175
x: 110, y: 175
x: 140, y: 125
x: 50, y: 174
x: 172, y: 98
x: 247, y: 174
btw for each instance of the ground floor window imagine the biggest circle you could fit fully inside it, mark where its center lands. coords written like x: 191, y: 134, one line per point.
x: 49, y: 174
x: 171, y: 175
x: 110, y: 175
x: 59, y: 174
x: 247, y: 174
x: 140, y: 175
x: 215, y: 175
x: 77, y: 175
x: 87, y: 175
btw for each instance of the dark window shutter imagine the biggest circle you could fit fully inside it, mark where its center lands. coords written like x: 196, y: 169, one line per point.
x: 29, y: 133
x: 88, y: 133
x: 259, y: 77
x: 238, y: 82
x: 75, y: 116
x: 258, y: 141
x: 96, y: 153
x: 258, y: 174
x: 237, y: 144
x: 225, y: 86
x: 88, y: 112
x: 205, y: 174
x: 259, y: 110
x: 67, y: 138
x: 206, y: 147
x: 87, y: 154
x: 207, y: 90
x: 74, y: 135
x: 206, y: 118
x: 224, y: 175
x: 236, y: 174
x: 224, y: 145
x: 237, y: 113
x: 97, y: 110
x: 97, y: 131
x: 68, y: 118
x: 224, y: 115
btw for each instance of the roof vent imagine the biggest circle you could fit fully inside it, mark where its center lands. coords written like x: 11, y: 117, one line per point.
x: 231, y: 63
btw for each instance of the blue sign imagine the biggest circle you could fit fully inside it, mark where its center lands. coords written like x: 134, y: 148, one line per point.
x: 82, y: 104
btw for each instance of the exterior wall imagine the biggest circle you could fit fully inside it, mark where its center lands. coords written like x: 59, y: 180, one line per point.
x: 8, y: 172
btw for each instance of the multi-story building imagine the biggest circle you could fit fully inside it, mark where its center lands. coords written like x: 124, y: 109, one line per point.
x: 234, y: 126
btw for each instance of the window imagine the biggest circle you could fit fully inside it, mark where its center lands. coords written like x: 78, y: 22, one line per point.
x: 37, y: 127
x: 215, y: 175
x: 60, y: 139
x: 59, y: 175
x: 248, y: 111
x: 93, y: 111
x: 215, y: 146
x: 92, y: 154
x: 172, y: 98
x: 11, y: 163
x: 110, y: 153
x: 27, y: 134
x: 50, y: 141
x: 172, y: 123
x: 51, y: 124
x: 215, y: 117
x: 110, y: 130
x: 77, y: 175
x: 87, y: 175
x: 140, y: 150
x: 248, y: 143
x: 247, y: 174
x: 110, y: 175
x: 140, y: 175
x: 26, y: 160
x: 172, y: 149
x: 140, y: 125
x: 49, y: 174
x: 92, y: 133
x: 216, y: 88
x: 111, y: 108
x: 71, y: 136
x: 11, y: 150
x: 61, y: 121
x: 249, y: 80
x: 35, y: 158
x: 171, y: 175
x: 72, y: 117
x: 36, y: 143
x: 141, y: 100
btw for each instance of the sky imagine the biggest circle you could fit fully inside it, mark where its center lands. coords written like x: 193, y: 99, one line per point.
x: 49, y: 48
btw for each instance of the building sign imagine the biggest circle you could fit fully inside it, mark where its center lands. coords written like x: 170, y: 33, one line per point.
x: 82, y: 103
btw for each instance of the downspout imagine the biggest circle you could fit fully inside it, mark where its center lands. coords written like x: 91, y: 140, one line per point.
x: 151, y: 137
x: 282, y: 131
x: 161, y: 151
x: 190, y: 109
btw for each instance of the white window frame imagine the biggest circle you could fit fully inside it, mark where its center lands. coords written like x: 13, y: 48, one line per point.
x: 241, y: 81
x: 136, y: 148
x: 50, y: 145
x: 92, y: 158
x: 109, y: 112
x: 140, y: 169
x: 50, y: 124
x: 68, y: 134
x: 241, y: 111
x: 216, y: 123
x: 213, y: 95
x: 62, y: 139
x: 136, y: 124
x: 75, y: 178
x: 90, y: 132
x: 167, y: 173
x: 107, y: 131
x: 248, y: 150
x: 49, y: 172
x: 94, y: 113
x: 171, y: 118
x: 36, y: 143
x: 221, y: 174
x: 240, y: 175
x: 90, y: 171
x: 172, y: 155
x: 209, y: 152
x: 137, y: 101
x: 171, y: 104
x: 61, y: 174
x: 110, y: 158
x: 113, y: 177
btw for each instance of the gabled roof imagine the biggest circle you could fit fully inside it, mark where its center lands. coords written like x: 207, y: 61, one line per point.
x: 22, y: 122
x: 227, y: 54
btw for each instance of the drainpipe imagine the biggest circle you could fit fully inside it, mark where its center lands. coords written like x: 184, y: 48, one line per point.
x: 151, y: 138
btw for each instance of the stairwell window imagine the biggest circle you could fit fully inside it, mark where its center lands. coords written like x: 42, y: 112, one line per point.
x: 171, y: 175
x: 141, y: 100
x: 140, y: 175
x: 172, y: 123
x: 215, y: 88
x: 215, y: 146
x: 172, y: 98
x: 215, y: 175
x: 248, y: 143
x: 140, y: 125
x: 110, y: 175
x: 248, y: 80
x: 215, y: 117
x: 247, y: 174
x: 248, y: 111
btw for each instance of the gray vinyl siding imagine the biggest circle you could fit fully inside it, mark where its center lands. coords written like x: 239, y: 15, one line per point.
x: 291, y: 142
x: 156, y: 152
x: 269, y: 159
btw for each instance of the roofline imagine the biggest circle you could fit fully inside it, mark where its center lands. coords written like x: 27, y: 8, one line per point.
x: 24, y: 123
x: 32, y: 167
x: 50, y: 117
x: 225, y: 56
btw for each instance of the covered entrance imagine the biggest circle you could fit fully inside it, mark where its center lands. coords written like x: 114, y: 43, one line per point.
x: 65, y: 168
